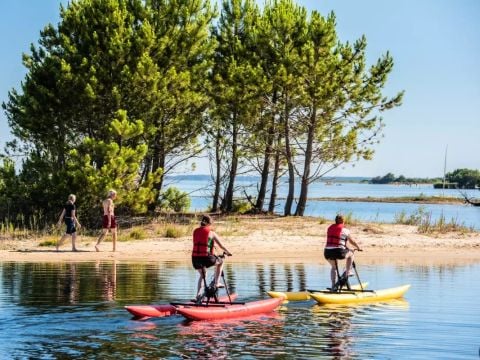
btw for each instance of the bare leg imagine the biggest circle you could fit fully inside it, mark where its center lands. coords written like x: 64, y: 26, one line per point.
x: 348, y: 266
x: 62, y: 239
x: 74, y: 237
x: 114, y: 238
x: 100, y: 238
x: 333, y: 272
x: 218, y: 273
x: 200, y: 282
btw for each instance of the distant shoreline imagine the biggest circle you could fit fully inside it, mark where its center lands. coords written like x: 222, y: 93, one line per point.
x: 403, y: 199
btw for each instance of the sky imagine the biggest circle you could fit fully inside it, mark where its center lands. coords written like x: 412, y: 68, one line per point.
x: 435, y: 45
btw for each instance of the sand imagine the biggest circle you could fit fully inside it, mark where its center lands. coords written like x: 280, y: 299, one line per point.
x: 264, y: 239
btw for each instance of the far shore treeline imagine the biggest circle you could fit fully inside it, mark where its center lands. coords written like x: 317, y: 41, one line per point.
x: 121, y: 93
x: 457, y: 179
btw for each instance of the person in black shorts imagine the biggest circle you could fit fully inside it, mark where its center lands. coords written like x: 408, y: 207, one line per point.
x: 336, y: 247
x: 204, y: 240
x: 69, y: 216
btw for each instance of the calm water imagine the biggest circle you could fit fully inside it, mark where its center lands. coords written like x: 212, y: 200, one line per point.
x: 200, y: 192
x: 75, y: 310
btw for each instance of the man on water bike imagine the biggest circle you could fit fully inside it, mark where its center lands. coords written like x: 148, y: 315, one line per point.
x: 204, y: 239
x: 336, y: 247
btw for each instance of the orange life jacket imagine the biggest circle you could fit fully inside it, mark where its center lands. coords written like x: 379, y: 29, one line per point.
x: 202, y: 244
x: 334, y: 238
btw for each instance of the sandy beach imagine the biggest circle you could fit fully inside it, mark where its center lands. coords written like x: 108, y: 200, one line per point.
x: 262, y: 239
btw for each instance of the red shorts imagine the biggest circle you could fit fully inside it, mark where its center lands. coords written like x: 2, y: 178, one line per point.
x: 113, y: 224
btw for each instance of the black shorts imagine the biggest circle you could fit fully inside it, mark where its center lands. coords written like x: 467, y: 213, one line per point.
x: 70, y: 226
x: 335, y: 254
x: 204, y: 261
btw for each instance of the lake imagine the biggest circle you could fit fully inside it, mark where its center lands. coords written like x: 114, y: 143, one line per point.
x: 200, y: 190
x: 75, y: 310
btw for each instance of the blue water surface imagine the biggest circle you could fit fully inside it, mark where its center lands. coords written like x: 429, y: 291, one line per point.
x: 75, y: 310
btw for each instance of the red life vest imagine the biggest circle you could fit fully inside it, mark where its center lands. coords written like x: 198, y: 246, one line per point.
x: 201, y: 244
x: 334, y: 238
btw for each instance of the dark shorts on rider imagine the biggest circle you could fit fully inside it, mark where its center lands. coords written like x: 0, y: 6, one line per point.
x: 204, y: 261
x: 70, y: 225
x: 335, y: 253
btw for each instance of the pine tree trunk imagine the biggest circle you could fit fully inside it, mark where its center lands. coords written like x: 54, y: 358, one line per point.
x: 228, y: 201
x: 216, y: 194
x: 276, y: 171
x: 266, y: 162
x: 302, y: 201
x: 265, y: 171
x: 288, y: 155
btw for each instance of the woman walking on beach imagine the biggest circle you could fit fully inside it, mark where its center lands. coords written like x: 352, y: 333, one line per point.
x: 69, y: 216
x: 336, y: 247
x: 108, y: 219
x: 203, y: 257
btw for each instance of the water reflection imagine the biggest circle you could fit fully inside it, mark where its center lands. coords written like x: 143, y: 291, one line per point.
x: 33, y: 284
x: 75, y: 310
x: 260, y: 271
x: 106, y: 274
x: 342, y: 324
x: 223, y: 339
x: 293, y: 277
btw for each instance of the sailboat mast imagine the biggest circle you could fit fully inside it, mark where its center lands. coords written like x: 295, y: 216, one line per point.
x: 445, y: 167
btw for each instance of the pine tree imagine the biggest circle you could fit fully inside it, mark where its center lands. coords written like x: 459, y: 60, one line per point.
x: 236, y: 81
x: 118, y: 168
x: 341, y: 101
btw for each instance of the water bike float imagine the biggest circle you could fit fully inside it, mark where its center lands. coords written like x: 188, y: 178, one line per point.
x: 305, y: 295
x: 216, y: 311
x: 352, y: 296
x: 223, y: 309
x: 163, y: 310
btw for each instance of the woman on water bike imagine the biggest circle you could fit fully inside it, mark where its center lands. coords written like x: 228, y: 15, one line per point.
x: 203, y: 257
x: 336, y: 247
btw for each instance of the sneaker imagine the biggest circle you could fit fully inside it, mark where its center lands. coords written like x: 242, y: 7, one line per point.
x: 220, y: 286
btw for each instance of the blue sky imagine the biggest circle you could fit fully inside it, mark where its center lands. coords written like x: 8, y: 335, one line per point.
x: 436, y: 48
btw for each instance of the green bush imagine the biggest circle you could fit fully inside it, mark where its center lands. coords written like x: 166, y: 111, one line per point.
x: 241, y: 207
x: 174, y: 199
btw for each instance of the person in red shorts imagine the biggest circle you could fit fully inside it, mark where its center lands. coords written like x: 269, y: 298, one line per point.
x: 108, y: 220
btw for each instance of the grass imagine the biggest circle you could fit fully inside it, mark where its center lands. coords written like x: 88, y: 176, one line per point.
x: 237, y: 226
x: 426, y: 225
x: 174, y: 232
x: 49, y: 241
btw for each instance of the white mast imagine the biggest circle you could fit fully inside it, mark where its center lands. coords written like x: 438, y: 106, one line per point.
x: 445, y: 167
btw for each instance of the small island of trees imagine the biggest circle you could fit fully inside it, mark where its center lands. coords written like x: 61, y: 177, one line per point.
x: 392, y: 179
x: 457, y: 179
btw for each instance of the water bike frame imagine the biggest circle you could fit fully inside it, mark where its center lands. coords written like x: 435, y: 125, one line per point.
x: 209, y: 296
x: 343, y: 281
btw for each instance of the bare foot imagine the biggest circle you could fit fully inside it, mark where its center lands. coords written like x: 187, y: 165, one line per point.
x: 96, y: 248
